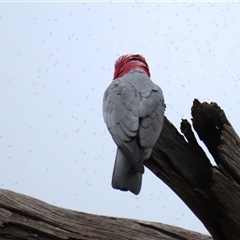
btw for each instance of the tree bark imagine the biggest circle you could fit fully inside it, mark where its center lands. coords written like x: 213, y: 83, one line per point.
x: 23, y: 217
x: 212, y: 192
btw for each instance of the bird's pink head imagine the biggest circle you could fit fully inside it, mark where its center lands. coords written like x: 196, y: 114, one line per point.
x: 128, y: 62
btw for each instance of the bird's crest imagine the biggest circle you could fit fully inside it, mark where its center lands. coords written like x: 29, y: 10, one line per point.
x: 128, y: 62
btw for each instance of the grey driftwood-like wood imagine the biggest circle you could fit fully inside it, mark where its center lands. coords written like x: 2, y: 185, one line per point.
x: 212, y: 192
x: 23, y: 217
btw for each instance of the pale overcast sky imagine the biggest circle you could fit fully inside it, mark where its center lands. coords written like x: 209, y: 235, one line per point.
x: 56, y: 62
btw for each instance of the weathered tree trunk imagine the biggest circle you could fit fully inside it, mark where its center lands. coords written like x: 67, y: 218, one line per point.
x: 211, y: 192
x: 23, y: 217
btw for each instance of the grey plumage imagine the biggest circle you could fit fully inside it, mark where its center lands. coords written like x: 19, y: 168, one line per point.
x: 133, y: 110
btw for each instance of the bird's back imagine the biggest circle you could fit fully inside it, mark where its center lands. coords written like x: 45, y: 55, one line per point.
x: 133, y: 111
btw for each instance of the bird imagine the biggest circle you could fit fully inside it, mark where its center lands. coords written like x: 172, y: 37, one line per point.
x: 133, y: 111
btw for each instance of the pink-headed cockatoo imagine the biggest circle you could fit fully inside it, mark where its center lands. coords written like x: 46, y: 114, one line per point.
x: 133, y: 110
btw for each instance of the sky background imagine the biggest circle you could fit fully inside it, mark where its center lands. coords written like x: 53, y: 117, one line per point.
x: 56, y: 62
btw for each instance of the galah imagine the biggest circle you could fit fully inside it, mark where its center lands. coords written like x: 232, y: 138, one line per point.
x: 133, y: 110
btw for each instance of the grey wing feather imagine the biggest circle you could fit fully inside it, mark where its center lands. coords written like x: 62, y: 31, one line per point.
x: 134, y: 106
x: 133, y: 110
x: 123, y: 120
x: 151, y: 126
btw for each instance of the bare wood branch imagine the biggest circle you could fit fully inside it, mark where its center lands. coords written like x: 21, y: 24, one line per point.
x: 211, y: 192
x: 229, y: 152
x: 23, y: 217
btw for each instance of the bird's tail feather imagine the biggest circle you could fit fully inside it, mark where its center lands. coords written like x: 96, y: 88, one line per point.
x: 125, y: 176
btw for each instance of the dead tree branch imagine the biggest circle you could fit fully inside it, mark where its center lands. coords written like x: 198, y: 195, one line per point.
x: 211, y: 192
x: 23, y: 217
